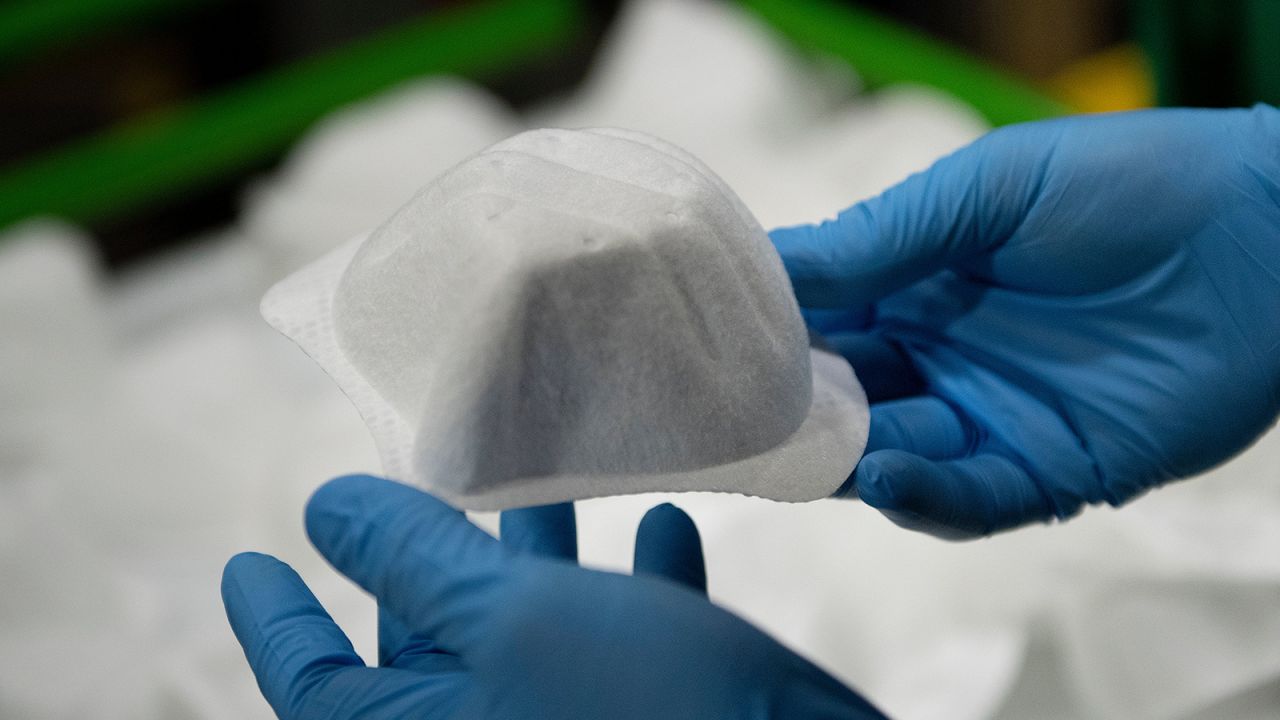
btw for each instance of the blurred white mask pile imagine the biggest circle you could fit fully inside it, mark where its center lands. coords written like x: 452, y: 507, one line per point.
x: 575, y: 314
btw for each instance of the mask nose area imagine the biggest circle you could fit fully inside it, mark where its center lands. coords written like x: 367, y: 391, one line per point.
x: 628, y: 360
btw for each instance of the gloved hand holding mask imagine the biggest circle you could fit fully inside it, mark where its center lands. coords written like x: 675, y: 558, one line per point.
x: 1062, y: 313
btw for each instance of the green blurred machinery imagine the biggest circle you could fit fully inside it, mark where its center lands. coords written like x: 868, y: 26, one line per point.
x: 154, y: 158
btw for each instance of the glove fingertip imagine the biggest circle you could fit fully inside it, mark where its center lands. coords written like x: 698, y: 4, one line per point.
x: 667, y: 514
x: 343, y: 490
x: 246, y: 567
x: 547, y: 530
x: 884, y: 478
x: 668, y: 545
x: 669, y: 529
x: 242, y: 561
x: 904, y: 487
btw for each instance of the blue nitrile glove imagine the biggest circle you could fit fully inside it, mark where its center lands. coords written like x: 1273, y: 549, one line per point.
x: 474, y: 628
x: 1061, y: 313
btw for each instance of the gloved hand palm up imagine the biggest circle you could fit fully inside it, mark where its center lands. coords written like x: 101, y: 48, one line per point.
x: 1062, y: 313
x: 473, y: 628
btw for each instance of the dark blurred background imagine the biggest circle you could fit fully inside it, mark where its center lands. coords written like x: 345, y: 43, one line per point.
x: 71, y: 69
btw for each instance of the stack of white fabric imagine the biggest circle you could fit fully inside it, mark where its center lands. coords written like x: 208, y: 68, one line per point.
x: 153, y: 425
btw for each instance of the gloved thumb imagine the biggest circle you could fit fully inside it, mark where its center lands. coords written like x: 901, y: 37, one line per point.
x: 964, y: 206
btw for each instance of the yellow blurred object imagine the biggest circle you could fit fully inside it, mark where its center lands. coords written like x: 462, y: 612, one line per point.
x: 1118, y: 78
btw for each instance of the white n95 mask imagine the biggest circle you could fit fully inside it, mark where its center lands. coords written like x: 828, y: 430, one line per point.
x: 574, y: 314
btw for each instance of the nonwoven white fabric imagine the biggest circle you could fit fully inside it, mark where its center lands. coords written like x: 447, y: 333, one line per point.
x: 574, y: 314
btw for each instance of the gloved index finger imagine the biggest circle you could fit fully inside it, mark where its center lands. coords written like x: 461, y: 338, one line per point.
x: 426, y: 564
x: 548, y: 530
x: 964, y: 205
